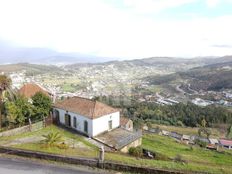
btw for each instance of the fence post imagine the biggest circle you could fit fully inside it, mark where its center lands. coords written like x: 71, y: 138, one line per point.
x: 30, y: 126
x: 101, y: 154
x: 44, y: 122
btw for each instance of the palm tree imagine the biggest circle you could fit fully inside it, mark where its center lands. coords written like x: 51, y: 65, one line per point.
x: 52, y: 139
x: 5, y: 84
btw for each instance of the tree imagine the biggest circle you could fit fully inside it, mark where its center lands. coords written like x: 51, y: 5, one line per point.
x: 5, y: 83
x: 203, y: 123
x: 18, y: 111
x: 52, y: 139
x: 229, y: 135
x: 12, y: 113
x: 42, y: 104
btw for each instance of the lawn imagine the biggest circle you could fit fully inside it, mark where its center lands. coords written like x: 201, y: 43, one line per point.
x: 78, y: 145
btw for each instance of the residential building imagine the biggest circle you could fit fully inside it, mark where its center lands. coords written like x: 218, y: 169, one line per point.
x: 126, y: 123
x: 86, y: 116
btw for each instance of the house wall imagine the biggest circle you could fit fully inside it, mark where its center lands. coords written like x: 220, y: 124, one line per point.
x: 135, y: 143
x: 95, y: 126
x: 101, y: 124
x: 80, y: 121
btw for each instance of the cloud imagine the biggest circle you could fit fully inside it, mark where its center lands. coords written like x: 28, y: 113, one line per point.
x: 212, y: 3
x: 95, y: 27
x: 153, y: 6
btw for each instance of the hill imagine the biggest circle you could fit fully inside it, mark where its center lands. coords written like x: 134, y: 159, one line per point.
x: 214, y: 76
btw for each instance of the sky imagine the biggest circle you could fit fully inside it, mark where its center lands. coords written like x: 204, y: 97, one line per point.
x: 124, y: 29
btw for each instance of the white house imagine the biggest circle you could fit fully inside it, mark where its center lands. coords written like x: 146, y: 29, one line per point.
x: 86, y: 116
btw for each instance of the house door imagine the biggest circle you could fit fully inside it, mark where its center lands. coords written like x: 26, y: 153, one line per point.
x: 110, y: 124
x: 67, y: 120
x: 57, y: 116
x: 86, y: 127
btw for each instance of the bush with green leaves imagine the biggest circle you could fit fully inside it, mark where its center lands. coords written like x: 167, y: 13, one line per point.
x: 136, y: 151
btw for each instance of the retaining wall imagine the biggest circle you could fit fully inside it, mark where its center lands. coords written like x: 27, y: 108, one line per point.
x: 23, y: 129
x: 87, y: 162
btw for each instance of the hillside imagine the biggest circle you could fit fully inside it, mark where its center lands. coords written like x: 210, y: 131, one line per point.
x: 209, y: 77
x: 31, y: 69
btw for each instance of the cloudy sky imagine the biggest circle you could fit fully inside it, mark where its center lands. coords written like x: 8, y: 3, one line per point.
x: 120, y: 28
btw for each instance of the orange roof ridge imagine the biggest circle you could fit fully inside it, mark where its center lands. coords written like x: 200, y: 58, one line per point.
x: 85, y: 107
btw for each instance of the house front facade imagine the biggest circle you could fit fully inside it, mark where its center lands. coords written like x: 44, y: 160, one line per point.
x: 86, y: 116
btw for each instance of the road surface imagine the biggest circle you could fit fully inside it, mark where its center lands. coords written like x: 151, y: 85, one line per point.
x: 21, y: 166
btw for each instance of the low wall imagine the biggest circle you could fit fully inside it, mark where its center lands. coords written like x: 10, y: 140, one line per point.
x: 136, y: 143
x: 87, y: 162
x: 23, y: 129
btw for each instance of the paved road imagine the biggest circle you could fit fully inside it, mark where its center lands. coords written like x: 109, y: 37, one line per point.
x: 21, y: 166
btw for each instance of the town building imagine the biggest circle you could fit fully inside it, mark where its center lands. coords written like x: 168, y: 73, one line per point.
x: 86, y: 116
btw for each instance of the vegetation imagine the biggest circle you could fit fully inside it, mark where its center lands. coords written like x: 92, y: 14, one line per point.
x: 136, y: 151
x: 178, y: 115
x: 74, y: 144
x: 18, y: 111
x: 42, y: 104
x: 52, y: 139
x: 5, y: 83
x: 229, y: 135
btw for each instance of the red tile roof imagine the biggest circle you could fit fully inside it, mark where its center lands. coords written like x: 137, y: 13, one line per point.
x: 124, y: 121
x: 226, y: 142
x: 85, y: 107
x: 30, y: 89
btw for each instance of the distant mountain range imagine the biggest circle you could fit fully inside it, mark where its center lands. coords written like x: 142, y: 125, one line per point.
x: 12, y: 54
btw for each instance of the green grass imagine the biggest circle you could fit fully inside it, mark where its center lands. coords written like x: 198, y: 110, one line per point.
x: 187, y: 130
x: 68, y: 88
x: 198, y: 159
x: 87, y: 150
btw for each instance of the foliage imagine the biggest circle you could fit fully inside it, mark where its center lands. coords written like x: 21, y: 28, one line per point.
x: 179, y: 158
x: 200, y: 143
x: 19, y: 111
x: 42, y: 105
x: 179, y: 114
x: 229, y: 135
x: 136, y: 151
x: 52, y: 139
x: 5, y: 82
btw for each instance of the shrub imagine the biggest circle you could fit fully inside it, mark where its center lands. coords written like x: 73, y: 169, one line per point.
x: 178, y: 158
x: 136, y: 151
x: 201, y: 143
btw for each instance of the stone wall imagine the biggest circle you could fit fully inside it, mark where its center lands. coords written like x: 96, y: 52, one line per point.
x: 23, y: 129
x: 88, y: 162
x: 135, y: 143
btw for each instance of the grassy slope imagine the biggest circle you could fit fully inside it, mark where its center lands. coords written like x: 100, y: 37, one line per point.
x: 198, y: 159
x: 88, y: 150
x: 187, y: 130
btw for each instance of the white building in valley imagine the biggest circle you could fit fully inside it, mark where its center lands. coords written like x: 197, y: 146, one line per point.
x: 86, y: 116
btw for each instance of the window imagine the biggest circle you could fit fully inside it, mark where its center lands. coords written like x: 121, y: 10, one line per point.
x: 68, y: 120
x: 110, y: 124
x: 86, y: 126
x: 57, y: 116
x: 75, y: 122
